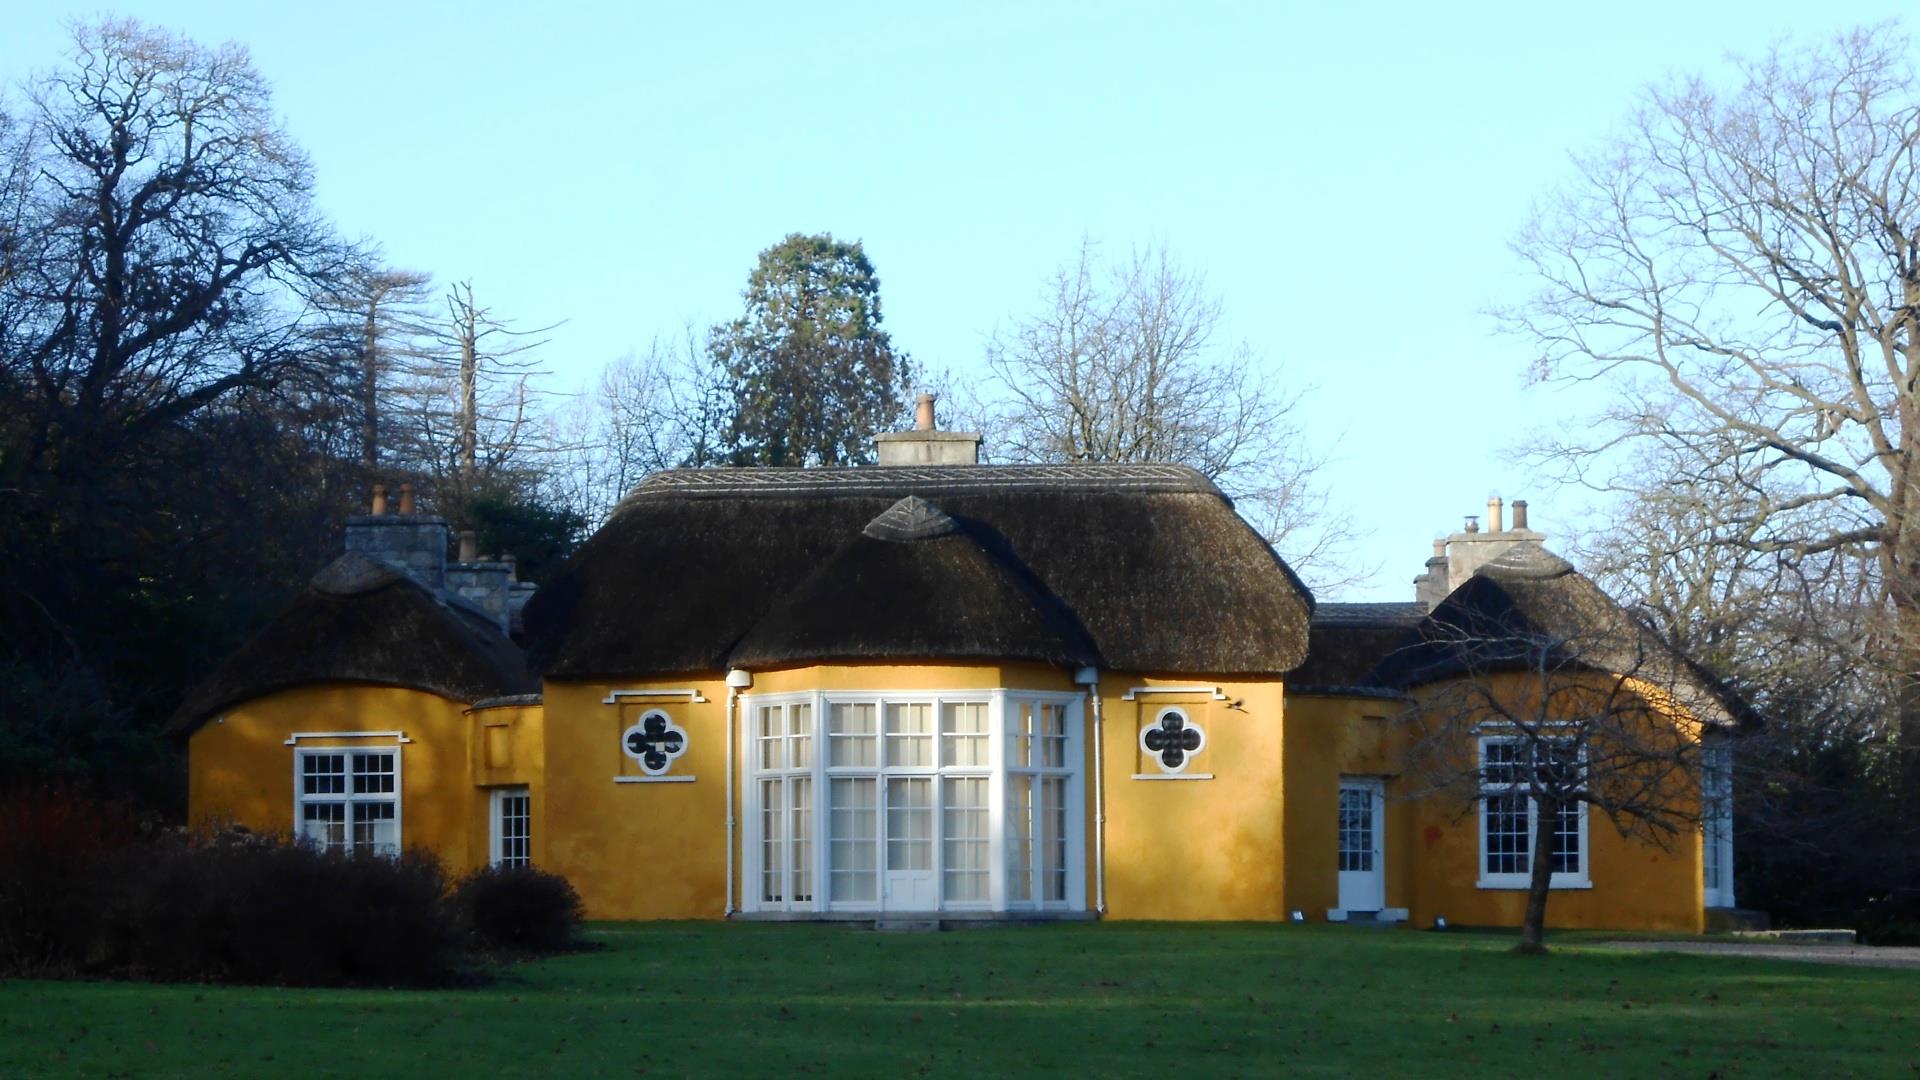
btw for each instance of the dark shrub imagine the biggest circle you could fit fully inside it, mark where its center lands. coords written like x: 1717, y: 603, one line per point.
x: 518, y: 908
x: 261, y: 910
x: 1893, y: 919
x: 53, y: 885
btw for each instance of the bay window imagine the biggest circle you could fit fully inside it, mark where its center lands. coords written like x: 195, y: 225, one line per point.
x: 919, y: 801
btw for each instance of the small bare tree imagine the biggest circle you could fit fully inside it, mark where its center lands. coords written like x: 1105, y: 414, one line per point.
x: 1534, y: 696
x: 378, y: 316
x: 1123, y: 362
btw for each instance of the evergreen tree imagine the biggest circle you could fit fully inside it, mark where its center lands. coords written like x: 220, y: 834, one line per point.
x: 812, y: 374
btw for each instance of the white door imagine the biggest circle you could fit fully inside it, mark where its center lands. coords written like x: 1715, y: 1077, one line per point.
x: 910, y: 881
x: 1363, y: 870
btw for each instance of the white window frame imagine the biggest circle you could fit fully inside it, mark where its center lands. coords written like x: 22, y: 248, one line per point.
x: 1581, y: 879
x: 1716, y: 813
x: 496, y: 818
x: 301, y: 798
x: 1178, y: 772
x: 995, y: 771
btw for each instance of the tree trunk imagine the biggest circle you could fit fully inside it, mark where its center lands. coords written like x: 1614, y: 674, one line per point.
x: 1533, y: 928
x: 370, y: 389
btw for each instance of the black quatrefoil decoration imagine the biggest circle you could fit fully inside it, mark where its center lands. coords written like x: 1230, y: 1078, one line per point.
x: 654, y: 742
x: 1173, y: 739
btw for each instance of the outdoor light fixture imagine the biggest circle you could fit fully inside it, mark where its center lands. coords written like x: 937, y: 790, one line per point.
x: 1299, y: 916
x: 1439, y: 922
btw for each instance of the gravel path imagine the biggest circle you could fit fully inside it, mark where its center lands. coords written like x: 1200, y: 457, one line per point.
x: 1855, y: 955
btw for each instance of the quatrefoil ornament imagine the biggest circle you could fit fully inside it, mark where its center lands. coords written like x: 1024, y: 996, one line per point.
x: 654, y: 742
x: 1173, y: 740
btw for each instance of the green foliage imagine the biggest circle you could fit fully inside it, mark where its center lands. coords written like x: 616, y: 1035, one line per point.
x: 811, y: 373
x: 1117, y: 1000
x: 536, y: 535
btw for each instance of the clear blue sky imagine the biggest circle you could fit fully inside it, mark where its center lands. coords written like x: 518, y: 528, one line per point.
x: 1347, y: 176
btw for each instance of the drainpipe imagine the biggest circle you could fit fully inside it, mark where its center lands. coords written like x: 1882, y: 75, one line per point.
x: 1090, y: 678
x: 737, y: 680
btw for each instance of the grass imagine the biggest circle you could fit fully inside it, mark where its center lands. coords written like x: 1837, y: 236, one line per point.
x: 1118, y: 998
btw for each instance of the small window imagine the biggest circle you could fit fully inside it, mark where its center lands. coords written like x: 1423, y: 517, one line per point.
x: 348, y: 800
x: 1172, y: 740
x: 512, y: 827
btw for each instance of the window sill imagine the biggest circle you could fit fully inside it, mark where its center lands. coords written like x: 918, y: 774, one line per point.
x: 1173, y: 776
x: 653, y: 779
x: 1509, y: 885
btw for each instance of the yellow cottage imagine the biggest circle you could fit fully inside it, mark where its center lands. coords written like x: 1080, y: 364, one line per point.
x: 927, y: 689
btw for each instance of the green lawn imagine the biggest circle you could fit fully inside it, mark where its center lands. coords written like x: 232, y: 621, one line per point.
x: 1120, y: 998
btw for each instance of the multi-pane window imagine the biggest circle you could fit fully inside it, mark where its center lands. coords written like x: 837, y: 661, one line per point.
x: 1037, y: 802
x: 783, y: 754
x: 1509, y: 812
x: 1356, y: 829
x: 349, y: 800
x: 512, y: 827
x: 1716, y: 794
x: 912, y: 802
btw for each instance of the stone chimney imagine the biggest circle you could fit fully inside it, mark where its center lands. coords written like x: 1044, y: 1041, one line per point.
x: 1455, y: 558
x: 415, y: 544
x: 1431, y: 587
x: 926, y: 444
x: 488, y: 584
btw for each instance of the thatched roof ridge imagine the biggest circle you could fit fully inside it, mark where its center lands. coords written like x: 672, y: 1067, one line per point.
x: 924, y: 480
x: 360, y: 621
x: 1348, y: 639
x: 1149, y: 560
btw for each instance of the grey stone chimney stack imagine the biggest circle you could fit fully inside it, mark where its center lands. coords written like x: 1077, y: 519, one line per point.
x: 415, y: 544
x: 926, y: 444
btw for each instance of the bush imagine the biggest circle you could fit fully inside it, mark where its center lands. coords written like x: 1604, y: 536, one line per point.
x: 518, y: 908
x: 1893, y: 919
x: 53, y: 842
x: 261, y: 910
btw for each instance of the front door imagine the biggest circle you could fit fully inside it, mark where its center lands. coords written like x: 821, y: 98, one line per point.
x: 1363, y: 871
x: 910, y: 884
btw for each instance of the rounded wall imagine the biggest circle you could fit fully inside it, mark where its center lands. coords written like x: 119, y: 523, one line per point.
x: 240, y: 767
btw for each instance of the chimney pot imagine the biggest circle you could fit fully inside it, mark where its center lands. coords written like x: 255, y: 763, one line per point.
x: 469, y: 546
x: 1473, y: 523
x: 406, y: 498
x: 923, y: 413
x: 1494, y: 518
x: 379, y: 500
x: 1439, y: 548
x: 1520, y: 515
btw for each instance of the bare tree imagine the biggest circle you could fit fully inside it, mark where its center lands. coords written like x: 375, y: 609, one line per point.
x: 1535, y: 696
x: 664, y: 407
x: 383, y: 323
x: 1743, y: 267
x: 1123, y: 362
x: 473, y: 417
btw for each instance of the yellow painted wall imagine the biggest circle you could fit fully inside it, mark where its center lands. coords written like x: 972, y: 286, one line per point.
x: 240, y: 769
x: 636, y: 850
x: 1194, y: 849
x: 1433, y: 844
x: 1327, y: 739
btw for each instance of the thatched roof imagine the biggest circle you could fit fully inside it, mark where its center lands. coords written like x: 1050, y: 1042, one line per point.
x: 1347, y: 640
x: 1131, y: 567
x: 926, y: 589
x: 361, y: 621
x: 1527, y: 609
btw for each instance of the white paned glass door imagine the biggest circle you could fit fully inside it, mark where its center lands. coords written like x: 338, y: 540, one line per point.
x: 911, y: 881
x: 1363, y: 871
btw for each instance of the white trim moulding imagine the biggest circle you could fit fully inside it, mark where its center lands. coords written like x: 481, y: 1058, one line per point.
x: 691, y: 694
x: 1135, y: 692
x: 396, y: 736
x: 653, y: 779
x: 1173, y: 776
